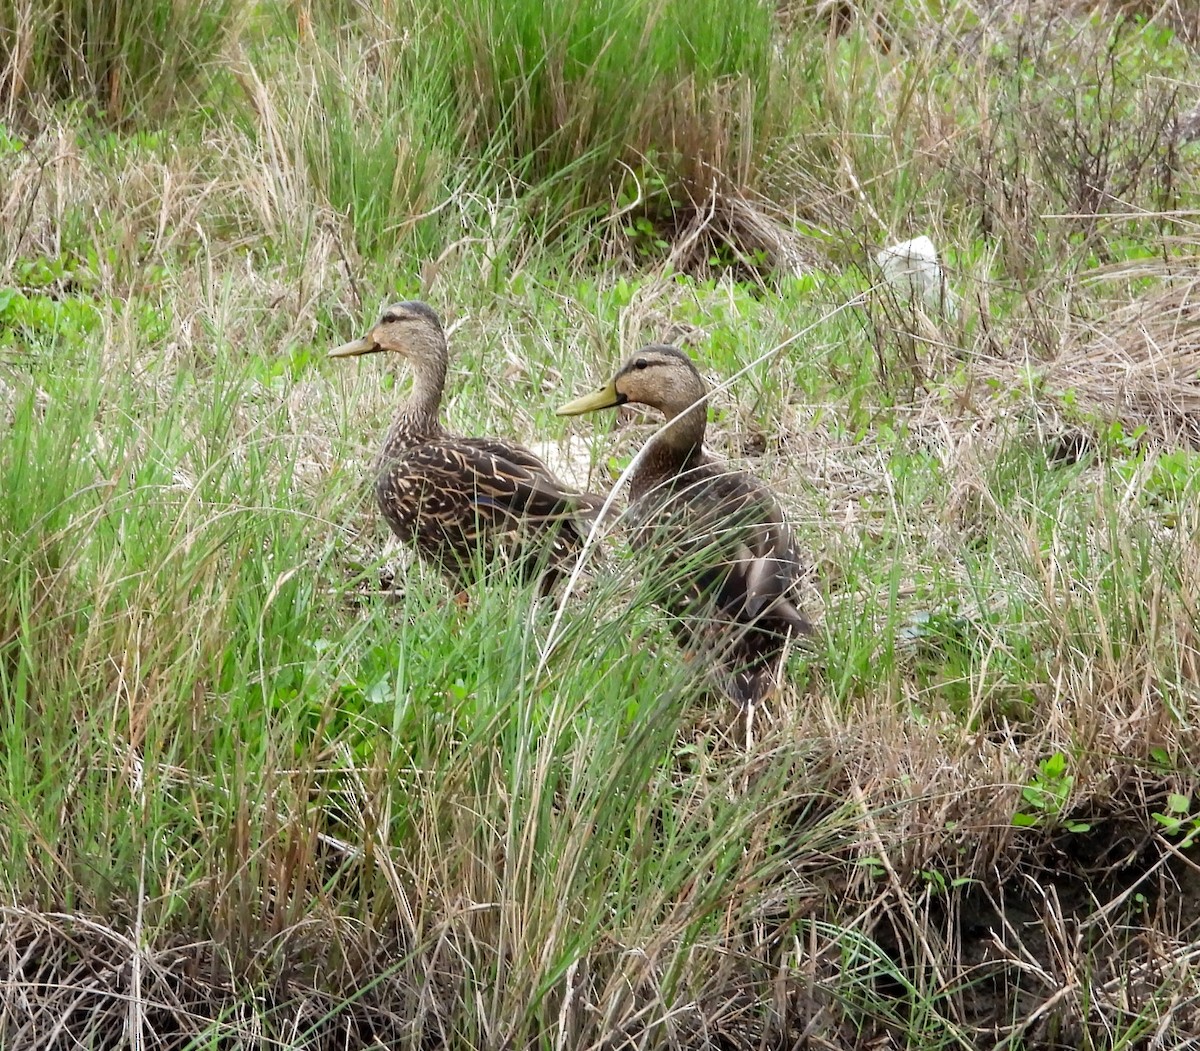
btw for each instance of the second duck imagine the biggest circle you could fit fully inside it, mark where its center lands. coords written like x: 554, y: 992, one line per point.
x: 725, y: 562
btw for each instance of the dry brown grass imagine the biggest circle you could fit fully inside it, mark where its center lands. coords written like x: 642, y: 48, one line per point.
x: 1141, y: 364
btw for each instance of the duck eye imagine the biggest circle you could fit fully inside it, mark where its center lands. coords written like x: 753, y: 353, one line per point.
x: 640, y: 363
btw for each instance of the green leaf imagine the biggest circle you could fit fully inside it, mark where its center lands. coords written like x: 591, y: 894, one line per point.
x: 1172, y: 824
x: 1161, y: 757
x: 1178, y: 804
x: 1055, y: 766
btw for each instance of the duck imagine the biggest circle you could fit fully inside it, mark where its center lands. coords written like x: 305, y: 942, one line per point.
x: 465, y: 503
x: 720, y: 551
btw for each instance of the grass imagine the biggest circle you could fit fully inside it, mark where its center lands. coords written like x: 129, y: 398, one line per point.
x: 247, y: 799
x: 126, y: 60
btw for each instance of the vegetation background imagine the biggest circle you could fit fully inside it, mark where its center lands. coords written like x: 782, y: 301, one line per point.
x: 248, y: 799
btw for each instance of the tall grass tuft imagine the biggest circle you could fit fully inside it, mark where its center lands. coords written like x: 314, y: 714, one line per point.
x: 579, y: 89
x: 379, y: 135
x: 368, y: 122
x: 571, y: 99
x: 129, y: 59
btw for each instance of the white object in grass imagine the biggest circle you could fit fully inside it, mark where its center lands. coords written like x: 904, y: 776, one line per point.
x: 912, y: 267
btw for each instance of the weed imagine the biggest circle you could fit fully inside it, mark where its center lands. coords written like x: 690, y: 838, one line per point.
x: 1047, y: 796
x: 1179, y: 820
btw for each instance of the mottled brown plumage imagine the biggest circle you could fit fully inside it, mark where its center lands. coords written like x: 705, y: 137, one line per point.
x: 465, y: 502
x: 724, y: 556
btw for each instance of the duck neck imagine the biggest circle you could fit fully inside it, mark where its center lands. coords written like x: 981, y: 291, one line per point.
x: 417, y: 417
x: 673, y: 450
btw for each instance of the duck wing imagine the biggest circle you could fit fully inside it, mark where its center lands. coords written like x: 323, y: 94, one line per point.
x: 518, y: 459
x: 481, y: 480
x: 731, y: 545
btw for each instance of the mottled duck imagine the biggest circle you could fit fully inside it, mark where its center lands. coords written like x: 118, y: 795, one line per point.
x: 465, y: 503
x: 720, y: 551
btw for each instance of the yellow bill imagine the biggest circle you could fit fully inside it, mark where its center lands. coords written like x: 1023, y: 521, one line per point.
x: 354, y: 348
x: 605, y: 398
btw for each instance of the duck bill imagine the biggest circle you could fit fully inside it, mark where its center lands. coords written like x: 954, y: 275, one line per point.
x: 354, y: 348
x: 605, y: 398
